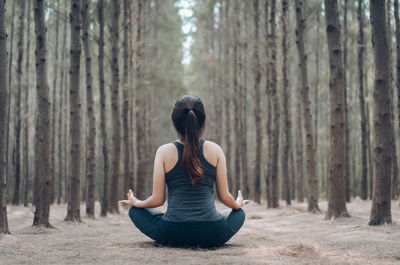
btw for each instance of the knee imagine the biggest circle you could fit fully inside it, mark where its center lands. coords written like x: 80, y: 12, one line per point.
x: 237, y: 220
x: 133, y: 213
x: 242, y: 215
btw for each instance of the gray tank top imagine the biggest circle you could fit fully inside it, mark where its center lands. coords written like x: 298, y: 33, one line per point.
x: 187, y: 202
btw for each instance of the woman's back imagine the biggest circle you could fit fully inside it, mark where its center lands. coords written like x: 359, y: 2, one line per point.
x: 189, y: 168
x: 189, y: 202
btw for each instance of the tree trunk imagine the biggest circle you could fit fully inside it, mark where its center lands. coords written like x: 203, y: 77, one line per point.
x: 104, y: 199
x: 17, y: 128
x: 395, y: 188
x: 3, y: 118
x: 381, y: 201
x: 236, y: 100
x: 257, y: 103
x: 132, y: 142
x: 267, y: 89
x: 299, y: 150
x: 361, y: 47
x: 91, y: 139
x: 274, y: 186
x: 370, y: 154
x: 312, y: 181
x: 116, y: 124
x: 347, y: 152
x: 8, y: 169
x: 286, y: 104
x: 292, y: 169
x: 61, y: 117
x: 219, y: 75
x: 73, y: 211
x: 128, y: 178
x: 394, y: 151
x: 227, y: 98
x: 43, y: 122
x: 53, y: 122
x: 317, y: 75
x: 338, y: 123
x: 140, y: 126
x: 243, y: 105
x: 26, y: 110
x: 67, y: 125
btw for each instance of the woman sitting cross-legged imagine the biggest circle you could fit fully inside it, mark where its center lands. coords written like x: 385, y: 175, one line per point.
x: 189, y: 167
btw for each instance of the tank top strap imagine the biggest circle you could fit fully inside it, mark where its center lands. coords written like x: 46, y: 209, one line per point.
x: 201, y: 146
x: 179, y: 147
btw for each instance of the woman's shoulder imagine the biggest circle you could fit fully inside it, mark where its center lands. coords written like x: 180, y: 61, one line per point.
x: 212, y: 152
x: 212, y: 146
x: 168, y: 147
x: 168, y: 154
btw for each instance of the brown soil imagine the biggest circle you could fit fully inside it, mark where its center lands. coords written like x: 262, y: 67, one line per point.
x: 288, y: 235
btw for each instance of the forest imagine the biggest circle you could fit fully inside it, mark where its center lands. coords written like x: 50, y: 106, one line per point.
x: 302, y: 96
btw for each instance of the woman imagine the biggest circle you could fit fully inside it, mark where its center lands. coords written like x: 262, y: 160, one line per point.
x: 189, y: 167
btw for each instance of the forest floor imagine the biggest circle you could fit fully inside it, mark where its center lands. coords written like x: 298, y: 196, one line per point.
x: 287, y: 235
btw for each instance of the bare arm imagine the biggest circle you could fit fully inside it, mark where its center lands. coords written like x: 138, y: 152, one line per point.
x: 158, y: 196
x: 222, y: 184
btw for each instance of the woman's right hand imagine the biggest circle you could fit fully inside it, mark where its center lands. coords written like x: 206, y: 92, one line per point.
x: 131, y: 199
x: 239, y: 200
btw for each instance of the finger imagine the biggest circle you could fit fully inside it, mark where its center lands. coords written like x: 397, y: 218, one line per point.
x: 246, y: 201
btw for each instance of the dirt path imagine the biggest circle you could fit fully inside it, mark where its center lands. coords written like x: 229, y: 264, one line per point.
x: 288, y: 235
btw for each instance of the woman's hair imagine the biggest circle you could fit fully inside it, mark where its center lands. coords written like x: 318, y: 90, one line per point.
x: 189, y: 119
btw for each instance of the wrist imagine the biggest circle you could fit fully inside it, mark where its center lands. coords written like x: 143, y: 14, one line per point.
x: 237, y: 206
x: 136, y: 203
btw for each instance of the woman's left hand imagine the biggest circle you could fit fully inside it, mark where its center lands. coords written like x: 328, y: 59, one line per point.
x: 131, y: 199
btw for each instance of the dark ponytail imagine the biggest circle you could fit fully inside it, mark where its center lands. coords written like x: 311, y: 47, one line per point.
x: 189, y: 119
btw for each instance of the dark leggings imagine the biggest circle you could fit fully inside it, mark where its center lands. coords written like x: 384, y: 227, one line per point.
x: 192, y: 234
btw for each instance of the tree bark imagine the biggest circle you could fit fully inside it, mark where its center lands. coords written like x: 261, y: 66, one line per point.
x: 286, y: 104
x: 275, y: 106
x: 338, y: 122
x: 17, y: 128
x: 8, y: 169
x: 361, y: 48
x: 236, y: 100
x: 3, y: 118
x: 317, y: 75
x: 312, y: 181
x: 140, y: 126
x: 395, y: 188
x: 26, y: 110
x: 243, y: 105
x: 116, y: 124
x: 43, y: 122
x: 257, y: 103
x: 381, y: 201
x: 104, y: 199
x: 227, y: 97
x: 73, y: 211
x: 53, y: 122
x: 128, y: 178
x: 67, y: 125
x: 299, y: 150
x: 269, y: 108
x: 62, y: 115
x: 91, y: 139
x: 347, y: 152
x: 395, y: 168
